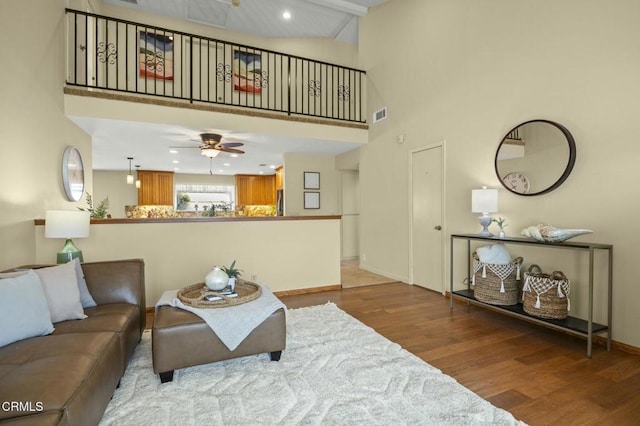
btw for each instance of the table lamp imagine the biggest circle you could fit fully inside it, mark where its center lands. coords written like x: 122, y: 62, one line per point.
x: 67, y: 224
x: 484, y: 201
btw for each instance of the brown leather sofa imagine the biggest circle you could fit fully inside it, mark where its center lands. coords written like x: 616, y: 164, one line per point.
x: 69, y: 376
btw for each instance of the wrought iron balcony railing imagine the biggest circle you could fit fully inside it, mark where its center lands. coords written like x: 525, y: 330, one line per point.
x: 125, y: 56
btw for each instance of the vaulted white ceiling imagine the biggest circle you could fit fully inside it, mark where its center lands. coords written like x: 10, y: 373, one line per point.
x: 149, y: 144
x: 336, y: 19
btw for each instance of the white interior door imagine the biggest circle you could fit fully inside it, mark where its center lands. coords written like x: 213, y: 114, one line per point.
x: 427, y: 218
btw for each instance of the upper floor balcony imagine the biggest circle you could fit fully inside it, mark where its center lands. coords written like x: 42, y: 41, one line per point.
x: 126, y: 57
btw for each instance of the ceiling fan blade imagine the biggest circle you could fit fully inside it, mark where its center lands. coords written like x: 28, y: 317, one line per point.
x: 231, y: 150
x: 230, y: 144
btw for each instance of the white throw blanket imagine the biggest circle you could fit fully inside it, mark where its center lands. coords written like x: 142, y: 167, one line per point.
x: 233, y: 324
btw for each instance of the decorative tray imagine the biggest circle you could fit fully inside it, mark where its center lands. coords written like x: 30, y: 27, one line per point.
x: 199, y: 296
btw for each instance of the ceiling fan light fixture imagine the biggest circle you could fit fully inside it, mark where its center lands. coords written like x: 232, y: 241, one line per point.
x: 209, y: 152
x: 235, y: 2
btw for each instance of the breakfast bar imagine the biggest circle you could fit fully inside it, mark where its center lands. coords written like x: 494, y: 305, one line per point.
x: 288, y: 253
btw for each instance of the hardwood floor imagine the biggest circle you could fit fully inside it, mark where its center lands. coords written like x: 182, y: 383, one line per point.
x: 542, y: 376
x: 352, y: 276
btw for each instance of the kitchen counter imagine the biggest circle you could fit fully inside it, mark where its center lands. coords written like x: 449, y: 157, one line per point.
x: 200, y: 219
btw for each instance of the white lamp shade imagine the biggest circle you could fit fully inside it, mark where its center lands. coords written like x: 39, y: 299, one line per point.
x: 66, y: 224
x: 484, y: 200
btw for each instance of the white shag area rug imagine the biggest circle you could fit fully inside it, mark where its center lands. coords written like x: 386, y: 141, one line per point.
x: 334, y: 371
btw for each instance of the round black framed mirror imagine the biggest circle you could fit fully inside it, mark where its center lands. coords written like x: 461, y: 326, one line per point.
x: 535, y: 157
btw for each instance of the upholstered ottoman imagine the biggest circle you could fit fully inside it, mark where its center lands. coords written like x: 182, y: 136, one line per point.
x: 181, y: 339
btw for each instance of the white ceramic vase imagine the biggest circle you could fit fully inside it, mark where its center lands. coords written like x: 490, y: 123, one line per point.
x: 232, y: 283
x: 216, y: 279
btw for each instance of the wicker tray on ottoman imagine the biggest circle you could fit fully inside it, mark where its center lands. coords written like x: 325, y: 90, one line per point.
x: 194, y: 295
x: 496, y: 284
x: 545, y: 295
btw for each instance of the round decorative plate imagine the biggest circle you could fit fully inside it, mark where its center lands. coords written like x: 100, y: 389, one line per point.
x: 72, y: 173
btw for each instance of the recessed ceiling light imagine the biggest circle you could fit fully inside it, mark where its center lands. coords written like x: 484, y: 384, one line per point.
x: 176, y: 162
x: 227, y: 164
x: 261, y: 172
x: 286, y: 15
x: 173, y: 151
x: 272, y: 167
x: 234, y: 155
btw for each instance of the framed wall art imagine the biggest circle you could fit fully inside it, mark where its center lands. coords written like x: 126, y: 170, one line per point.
x: 311, y: 180
x: 311, y: 200
x: 155, y: 55
x: 247, y: 71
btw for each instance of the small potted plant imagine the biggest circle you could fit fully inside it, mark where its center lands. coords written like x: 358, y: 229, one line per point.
x: 502, y: 223
x: 97, y: 212
x: 233, y: 273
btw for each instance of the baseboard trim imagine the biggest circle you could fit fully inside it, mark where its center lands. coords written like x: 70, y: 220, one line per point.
x: 307, y: 290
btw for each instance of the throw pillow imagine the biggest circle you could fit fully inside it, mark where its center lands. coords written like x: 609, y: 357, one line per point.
x: 85, y: 297
x: 61, y: 288
x: 24, y: 311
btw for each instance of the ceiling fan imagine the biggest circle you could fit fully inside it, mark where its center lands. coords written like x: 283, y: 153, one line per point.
x: 212, y: 145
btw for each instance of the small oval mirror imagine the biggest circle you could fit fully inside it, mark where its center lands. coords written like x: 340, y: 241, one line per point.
x: 535, y: 157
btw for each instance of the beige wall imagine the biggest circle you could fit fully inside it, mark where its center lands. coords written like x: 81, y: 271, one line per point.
x: 35, y: 130
x: 467, y: 72
x: 283, y: 254
x: 114, y: 185
x: 294, y: 166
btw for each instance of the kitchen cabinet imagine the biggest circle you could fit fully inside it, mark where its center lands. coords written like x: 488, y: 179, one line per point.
x: 255, y: 189
x: 279, y: 178
x: 572, y: 325
x: 156, y: 188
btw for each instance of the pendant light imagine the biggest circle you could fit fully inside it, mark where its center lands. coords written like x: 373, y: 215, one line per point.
x: 138, y: 176
x: 130, y: 175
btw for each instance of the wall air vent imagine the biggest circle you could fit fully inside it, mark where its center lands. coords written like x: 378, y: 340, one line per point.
x: 380, y: 114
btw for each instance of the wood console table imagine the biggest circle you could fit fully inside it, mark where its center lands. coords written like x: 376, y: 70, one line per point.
x: 576, y: 326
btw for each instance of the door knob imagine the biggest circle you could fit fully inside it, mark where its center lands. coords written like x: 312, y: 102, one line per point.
x: 437, y: 228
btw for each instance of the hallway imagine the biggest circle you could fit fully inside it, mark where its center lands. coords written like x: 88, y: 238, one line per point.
x: 352, y: 276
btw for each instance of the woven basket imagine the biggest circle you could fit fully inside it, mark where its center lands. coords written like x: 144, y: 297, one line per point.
x: 194, y: 295
x: 496, y: 284
x: 546, y: 296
